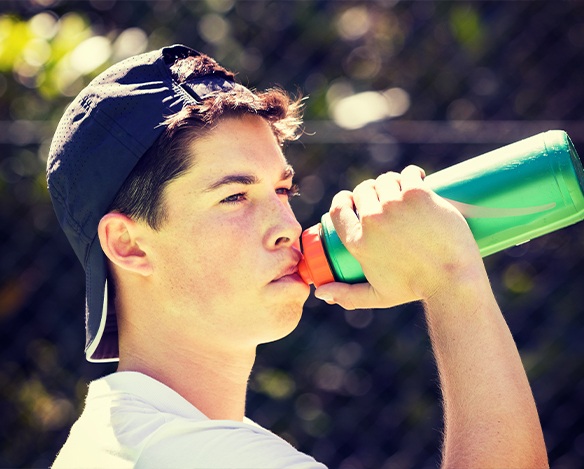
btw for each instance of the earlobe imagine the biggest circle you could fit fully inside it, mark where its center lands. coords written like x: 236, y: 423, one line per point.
x: 120, y: 241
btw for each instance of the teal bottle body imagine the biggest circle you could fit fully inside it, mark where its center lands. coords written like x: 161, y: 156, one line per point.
x: 508, y: 196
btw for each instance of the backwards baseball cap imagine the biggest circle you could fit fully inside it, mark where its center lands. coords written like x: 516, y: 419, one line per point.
x: 100, y: 138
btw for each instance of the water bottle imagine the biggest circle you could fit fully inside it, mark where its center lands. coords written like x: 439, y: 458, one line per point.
x: 508, y: 196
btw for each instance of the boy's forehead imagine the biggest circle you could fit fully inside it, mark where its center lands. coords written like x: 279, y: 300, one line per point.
x: 210, y: 172
x: 248, y: 174
x: 233, y: 148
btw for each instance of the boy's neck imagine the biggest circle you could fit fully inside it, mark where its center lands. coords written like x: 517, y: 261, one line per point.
x: 216, y: 384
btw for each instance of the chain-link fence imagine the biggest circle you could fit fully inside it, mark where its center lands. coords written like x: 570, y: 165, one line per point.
x: 452, y: 80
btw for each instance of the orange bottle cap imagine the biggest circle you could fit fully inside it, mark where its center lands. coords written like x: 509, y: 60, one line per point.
x: 314, y: 267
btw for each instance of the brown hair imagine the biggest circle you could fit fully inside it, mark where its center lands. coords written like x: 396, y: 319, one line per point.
x: 141, y: 195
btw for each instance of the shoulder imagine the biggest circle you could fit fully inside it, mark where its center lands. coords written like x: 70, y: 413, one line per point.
x: 220, y: 444
x: 133, y: 421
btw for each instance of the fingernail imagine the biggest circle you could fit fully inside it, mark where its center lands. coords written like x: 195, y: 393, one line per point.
x: 324, y: 296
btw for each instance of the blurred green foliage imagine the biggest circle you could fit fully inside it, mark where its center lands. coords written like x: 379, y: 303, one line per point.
x: 447, y: 80
x: 38, y: 50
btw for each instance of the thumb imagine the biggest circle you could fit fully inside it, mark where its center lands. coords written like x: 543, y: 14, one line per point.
x: 346, y: 295
x: 360, y: 296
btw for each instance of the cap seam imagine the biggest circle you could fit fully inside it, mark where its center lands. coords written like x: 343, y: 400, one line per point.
x: 175, y: 86
x: 73, y: 222
x: 102, y: 118
x: 188, y: 98
x: 87, y: 104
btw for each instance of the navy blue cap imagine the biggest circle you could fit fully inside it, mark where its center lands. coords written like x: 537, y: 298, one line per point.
x: 100, y: 138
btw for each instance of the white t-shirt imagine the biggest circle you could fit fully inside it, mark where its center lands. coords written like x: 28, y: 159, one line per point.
x: 133, y: 421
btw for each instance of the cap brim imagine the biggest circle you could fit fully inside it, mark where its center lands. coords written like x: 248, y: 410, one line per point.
x: 100, y: 319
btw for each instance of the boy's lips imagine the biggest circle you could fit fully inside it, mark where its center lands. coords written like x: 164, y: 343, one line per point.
x: 289, y: 270
x: 286, y: 272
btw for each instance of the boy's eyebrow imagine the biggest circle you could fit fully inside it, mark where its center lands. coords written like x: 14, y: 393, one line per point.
x: 245, y: 179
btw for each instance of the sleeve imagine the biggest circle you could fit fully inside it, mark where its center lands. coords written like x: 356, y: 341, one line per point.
x: 217, y: 445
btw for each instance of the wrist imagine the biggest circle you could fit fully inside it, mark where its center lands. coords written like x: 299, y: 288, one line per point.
x: 459, y: 282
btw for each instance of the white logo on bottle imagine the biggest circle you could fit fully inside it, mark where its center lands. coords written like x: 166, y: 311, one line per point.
x: 477, y: 211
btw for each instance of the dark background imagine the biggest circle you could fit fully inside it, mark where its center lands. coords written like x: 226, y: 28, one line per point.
x: 354, y: 389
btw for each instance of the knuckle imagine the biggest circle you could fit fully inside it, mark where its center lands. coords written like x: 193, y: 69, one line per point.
x: 335, y: 210
x: 354, y: 239
x: 339, y: 201
x: 367, y: 184
x: 415, y: 194
x: 392, y: 174
x: 414, y: 169
x: 372, y: 218
x: 388, y: 205
x: 388, y: 176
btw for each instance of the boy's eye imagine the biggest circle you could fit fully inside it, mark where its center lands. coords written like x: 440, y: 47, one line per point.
x: 289, y: 192
x: 234, y: 198
x: 242, y: 196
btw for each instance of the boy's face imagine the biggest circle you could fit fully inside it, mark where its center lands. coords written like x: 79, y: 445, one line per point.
x: 225, y: 260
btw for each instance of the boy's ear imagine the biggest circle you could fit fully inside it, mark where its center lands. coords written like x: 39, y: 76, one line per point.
x: 120, y: 239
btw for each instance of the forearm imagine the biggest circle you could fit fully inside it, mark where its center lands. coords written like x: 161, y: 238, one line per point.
x: 490, y: 415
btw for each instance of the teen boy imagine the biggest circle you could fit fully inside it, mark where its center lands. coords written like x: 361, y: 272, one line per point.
x: 169, y: 180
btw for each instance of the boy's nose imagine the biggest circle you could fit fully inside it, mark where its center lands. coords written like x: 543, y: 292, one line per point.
x: 286, y: 229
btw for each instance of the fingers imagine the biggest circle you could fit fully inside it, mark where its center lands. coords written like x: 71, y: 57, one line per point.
x: 369, y: 197
x: 344, y: 217
x: 412, y: 177
x: 339, y: 293
x: 391, y: 185
x: 365, y: 219
x: 370, y: 194
x: 366, y: 198
x: 388, y: 186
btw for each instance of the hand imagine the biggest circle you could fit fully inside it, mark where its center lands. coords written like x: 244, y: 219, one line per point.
x: 414, y: 245
x: 410, y: 243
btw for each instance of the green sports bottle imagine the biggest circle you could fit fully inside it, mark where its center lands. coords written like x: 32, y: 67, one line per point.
x: 507, y: 196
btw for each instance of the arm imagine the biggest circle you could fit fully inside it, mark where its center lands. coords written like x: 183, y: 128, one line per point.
x: 490, y: 415
x: 412, y: 246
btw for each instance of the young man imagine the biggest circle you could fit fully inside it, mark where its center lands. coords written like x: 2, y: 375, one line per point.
x: 169, y: 180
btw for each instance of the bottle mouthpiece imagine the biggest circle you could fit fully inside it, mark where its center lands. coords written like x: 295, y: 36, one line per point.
x: 314, y: 267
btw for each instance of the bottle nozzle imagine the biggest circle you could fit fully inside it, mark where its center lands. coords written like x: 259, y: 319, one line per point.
x: 314, y: 267
x: 304, y: 271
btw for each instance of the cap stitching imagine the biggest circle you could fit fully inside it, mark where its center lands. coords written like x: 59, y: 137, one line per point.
x: 75, y: 225
x: 107, y: 122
